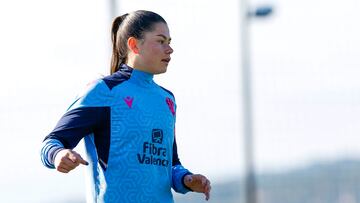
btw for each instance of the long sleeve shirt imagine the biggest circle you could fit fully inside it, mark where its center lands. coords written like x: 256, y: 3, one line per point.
x: 127, y: 122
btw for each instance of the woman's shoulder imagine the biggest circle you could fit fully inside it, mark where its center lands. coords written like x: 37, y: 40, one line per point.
x: 94, y: 93
x: 167, y: 92
x: 92, y: 86
x: 115, y: 79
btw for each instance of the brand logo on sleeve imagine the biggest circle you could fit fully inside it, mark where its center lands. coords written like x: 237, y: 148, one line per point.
x: 170, y: 104
x: 129, y: 100
x: 154, y: 153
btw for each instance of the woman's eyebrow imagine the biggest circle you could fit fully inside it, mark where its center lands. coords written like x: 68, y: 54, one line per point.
x: 163, y: 36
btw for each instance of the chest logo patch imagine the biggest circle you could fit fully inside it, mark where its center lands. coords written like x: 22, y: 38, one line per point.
x: 157, y: 136
x: 129, y: 101
x: 154, y: 152
x: 170, y: 104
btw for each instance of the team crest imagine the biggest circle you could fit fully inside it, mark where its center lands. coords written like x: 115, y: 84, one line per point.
x: 170, y: 104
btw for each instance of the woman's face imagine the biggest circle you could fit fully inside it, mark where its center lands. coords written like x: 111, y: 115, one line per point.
x: 154, y: 50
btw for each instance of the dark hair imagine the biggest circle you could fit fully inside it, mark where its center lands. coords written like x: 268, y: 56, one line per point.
x: 133, y: 24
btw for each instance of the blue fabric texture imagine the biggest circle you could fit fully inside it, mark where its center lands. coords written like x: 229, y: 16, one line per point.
x: 127, y: 122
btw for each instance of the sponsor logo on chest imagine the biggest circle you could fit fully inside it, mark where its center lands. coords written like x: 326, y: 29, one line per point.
x: 154, y: 152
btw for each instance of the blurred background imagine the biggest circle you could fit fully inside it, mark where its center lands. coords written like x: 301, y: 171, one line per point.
x: 305, y: 68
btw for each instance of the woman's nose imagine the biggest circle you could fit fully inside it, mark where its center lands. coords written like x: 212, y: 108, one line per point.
x: 169, y: 50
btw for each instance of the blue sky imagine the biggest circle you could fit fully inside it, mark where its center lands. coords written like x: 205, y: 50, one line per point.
x: 305, y: 66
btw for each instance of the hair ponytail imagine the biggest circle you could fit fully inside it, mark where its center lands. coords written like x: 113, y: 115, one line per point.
x: 117, y: 58
x: 135, y: 25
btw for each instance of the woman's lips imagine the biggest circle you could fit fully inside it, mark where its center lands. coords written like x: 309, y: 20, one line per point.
x: 167, y: 60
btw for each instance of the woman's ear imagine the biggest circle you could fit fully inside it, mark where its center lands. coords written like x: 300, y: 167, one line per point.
x: 132, y: 43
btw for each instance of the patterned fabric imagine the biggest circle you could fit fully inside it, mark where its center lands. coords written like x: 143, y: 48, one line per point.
x: 128, y: 124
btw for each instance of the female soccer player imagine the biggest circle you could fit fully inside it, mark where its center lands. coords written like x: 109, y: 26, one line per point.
x: 127, y: 122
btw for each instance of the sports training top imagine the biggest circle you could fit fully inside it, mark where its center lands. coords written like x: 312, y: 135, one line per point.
x: 128, y: 125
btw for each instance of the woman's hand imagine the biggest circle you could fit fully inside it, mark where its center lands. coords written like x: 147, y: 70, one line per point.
x: 198, y: 183
x: 66, y: 160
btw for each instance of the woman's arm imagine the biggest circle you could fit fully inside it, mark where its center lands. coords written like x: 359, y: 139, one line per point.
x: 57, y: 147
x: 184, y: 181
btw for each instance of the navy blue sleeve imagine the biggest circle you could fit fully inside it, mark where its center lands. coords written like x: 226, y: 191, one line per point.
x: 72, y: 127
x: 78, y: 123
x: 179, y: 172
x: 175, y: 159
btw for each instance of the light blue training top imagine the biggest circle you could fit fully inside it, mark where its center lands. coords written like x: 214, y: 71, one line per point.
x: 128, y: 125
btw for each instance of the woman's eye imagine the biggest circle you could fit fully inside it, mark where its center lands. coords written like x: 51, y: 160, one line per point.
x: 161, y: 41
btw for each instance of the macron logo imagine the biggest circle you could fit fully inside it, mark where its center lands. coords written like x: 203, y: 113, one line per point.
x: 129, y: 100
